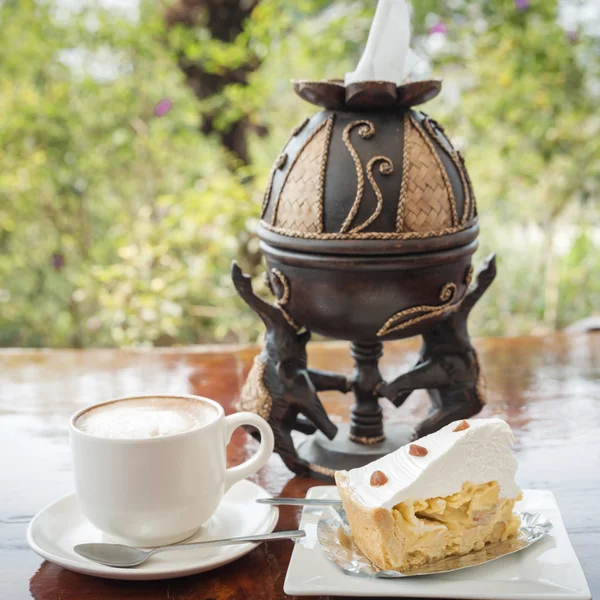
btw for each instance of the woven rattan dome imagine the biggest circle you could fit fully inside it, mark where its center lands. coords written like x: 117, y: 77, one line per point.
x: 368, y: 175
x: 369, y: 221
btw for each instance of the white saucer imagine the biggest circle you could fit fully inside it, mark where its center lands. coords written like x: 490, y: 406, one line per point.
x: 547, y: 570
x: 54, y: 531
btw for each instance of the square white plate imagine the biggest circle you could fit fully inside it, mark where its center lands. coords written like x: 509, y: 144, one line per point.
x: 548, y: 569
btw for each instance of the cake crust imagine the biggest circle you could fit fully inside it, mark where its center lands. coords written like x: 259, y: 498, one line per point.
x: 372, y: 528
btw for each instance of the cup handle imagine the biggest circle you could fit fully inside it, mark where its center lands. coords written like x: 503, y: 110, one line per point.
x: 267, y: 442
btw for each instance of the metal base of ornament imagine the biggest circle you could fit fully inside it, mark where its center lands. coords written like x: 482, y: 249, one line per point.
x: 327, y: 456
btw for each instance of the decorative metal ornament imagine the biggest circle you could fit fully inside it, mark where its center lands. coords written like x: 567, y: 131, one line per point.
x: 368, y: 227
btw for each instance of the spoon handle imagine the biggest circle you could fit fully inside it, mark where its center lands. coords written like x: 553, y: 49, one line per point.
x: 300, y: 501
x: 265, y: 537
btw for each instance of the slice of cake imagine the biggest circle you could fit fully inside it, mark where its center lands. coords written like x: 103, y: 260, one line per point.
x: 449, y: 493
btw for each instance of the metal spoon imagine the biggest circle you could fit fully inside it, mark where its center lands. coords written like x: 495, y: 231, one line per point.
x: 119, y: 555
x: 300, y: 501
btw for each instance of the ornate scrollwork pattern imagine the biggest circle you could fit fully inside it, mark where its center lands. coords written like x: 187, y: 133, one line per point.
x: 386, y: 167
x: 283, y: 298
x: 285, y: 286
x: 323, y: 171
x: 366, y: 131
x: 449, y: 302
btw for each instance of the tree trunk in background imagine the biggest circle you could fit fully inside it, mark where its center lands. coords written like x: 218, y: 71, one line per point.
x: 225, y: 20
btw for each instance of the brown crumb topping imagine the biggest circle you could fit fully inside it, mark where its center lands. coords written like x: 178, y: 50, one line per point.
x: 416, y: 450
x: 378, y: 478
x: 462, y: 426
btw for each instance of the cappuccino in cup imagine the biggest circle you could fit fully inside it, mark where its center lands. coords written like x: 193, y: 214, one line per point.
x: 141, y: 418
x: 151, y: 470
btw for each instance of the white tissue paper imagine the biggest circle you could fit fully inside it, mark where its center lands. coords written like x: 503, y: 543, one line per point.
x: 387, y: 55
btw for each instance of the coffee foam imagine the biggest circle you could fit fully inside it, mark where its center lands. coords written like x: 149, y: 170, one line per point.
x: 143, y: 418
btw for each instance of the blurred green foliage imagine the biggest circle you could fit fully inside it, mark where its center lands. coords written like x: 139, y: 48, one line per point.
x: 119, y: 218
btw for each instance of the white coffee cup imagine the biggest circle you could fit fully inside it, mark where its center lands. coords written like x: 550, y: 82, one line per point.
x: 160, y: 490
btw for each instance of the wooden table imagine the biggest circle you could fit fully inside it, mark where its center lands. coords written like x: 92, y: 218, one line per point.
x: 547, y: 388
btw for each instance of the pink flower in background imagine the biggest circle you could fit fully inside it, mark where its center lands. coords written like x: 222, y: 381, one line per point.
x: 58, y: 261
x: 522, y: 4
x: 439, y: 27
x: 573, y: 36
x: 163, y: 107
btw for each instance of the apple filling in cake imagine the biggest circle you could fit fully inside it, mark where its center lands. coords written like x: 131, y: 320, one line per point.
x: 450, y: 494
x: 415, y: 533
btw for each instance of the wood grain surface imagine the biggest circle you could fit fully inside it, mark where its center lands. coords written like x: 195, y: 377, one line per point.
x: 548, y: 389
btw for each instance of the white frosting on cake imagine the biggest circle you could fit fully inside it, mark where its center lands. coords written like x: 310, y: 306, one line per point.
x: 479, y: 454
